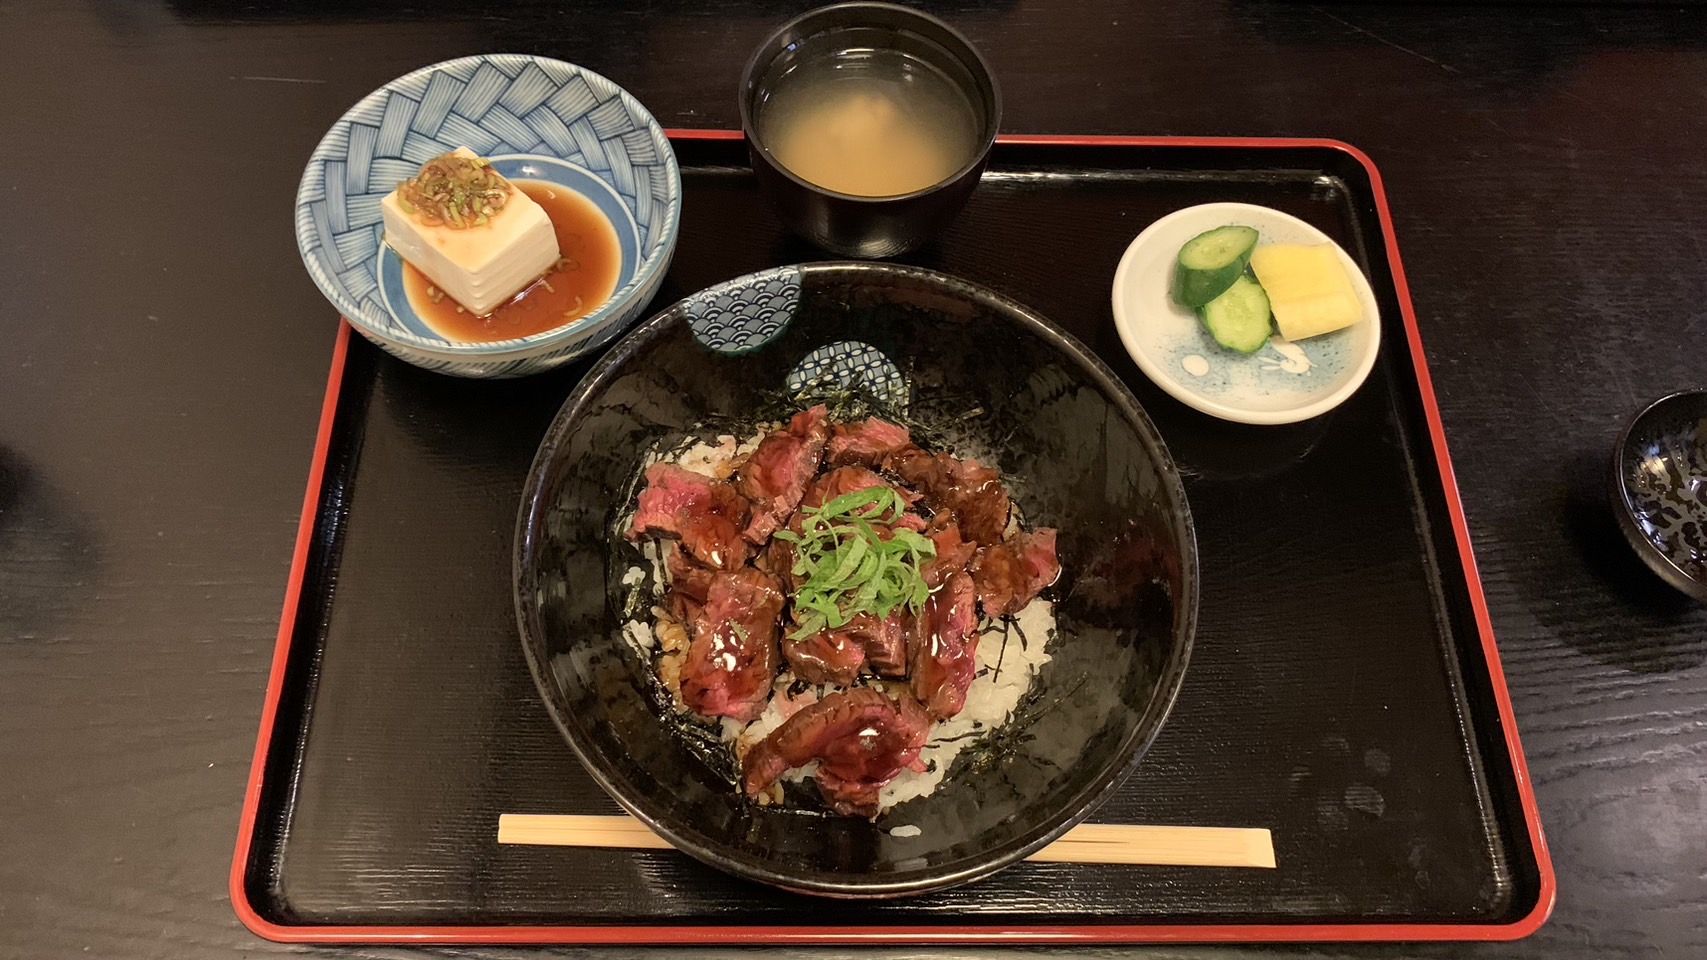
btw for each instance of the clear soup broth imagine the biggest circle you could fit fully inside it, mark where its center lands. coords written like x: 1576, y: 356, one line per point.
x: 871, y: 123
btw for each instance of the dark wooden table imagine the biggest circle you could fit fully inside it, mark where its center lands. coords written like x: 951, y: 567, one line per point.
x: 164, y: 354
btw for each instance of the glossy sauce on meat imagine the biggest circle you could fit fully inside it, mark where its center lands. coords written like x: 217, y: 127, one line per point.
x: 706, y: 515
x: 732, y: 584
x: 732, y: 657
x: 944, y: 652
x: 776, y: 476
x: 861, y: 738
x: 1011, y: 573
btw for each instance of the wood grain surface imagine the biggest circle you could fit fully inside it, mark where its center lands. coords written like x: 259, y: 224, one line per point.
x: 1122, y: 843
x: 163, y: 357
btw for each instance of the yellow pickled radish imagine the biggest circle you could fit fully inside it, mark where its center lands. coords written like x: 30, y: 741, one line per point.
x: 1308, y: 288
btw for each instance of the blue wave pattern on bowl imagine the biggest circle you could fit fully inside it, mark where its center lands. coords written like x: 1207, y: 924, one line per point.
x: 741, y: 315
x: 746, y: 313
x: 851, y: 365
x: 497, y: 104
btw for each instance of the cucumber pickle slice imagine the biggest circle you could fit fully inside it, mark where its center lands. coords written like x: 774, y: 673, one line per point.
x: 1211, y: 262
x: 1239, y: 319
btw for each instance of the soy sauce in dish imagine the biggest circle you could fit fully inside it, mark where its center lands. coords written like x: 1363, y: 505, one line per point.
x: 584, y: 277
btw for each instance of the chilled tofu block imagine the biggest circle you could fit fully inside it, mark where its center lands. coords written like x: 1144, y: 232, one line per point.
x: 1308, y: 289
x: 474, y: 235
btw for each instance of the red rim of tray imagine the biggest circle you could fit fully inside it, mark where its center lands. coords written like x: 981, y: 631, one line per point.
x: 1010, y: 934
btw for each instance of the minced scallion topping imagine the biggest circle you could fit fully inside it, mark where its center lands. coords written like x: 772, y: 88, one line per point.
x: 454, y: 191
x: 851, y: 566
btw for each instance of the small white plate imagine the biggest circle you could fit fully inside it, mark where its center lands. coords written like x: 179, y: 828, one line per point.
x: 1283, y: 382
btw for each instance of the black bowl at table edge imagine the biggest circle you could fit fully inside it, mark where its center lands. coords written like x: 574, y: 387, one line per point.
x: 1142, y: 736
x: 869, y: 227
x: 1625, y: 511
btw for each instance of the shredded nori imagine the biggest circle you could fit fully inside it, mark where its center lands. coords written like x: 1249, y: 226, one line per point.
x: 993, y: 747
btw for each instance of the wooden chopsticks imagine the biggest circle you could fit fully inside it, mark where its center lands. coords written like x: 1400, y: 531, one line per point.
x: 1085, y: 843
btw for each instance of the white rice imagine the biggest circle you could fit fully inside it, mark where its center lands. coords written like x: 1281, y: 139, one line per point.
x: 1004, y: 677
x: 639, y: 637
x: 716, y: 460
x: 704, y: 458
x: 1006, y: 672
x: 654, y: 556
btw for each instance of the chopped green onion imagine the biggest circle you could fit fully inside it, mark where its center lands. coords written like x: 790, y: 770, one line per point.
x: 454, y: 190
x: 852, y: 562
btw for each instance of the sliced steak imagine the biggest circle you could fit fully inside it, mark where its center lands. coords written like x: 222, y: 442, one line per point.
x: 952, y: 553
x: 690, y: 581
x: 866, y: 443
x: 707, y: 516
x: 1009, y: 575
x: 943, y: 654
x: 828, y: 656
x: 776, y: 476
x: 777, y: 559
x: 884, y: 641
x: 966, y: 488
x: 865, y: 642
x: 732, y: 653
x: 861, y: 738
x: 846, y: 480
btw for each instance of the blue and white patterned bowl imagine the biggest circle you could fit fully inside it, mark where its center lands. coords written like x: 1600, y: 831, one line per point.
x: 536, y: 118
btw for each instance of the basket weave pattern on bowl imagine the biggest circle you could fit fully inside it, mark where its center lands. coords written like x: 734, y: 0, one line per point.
x: 495, y: 104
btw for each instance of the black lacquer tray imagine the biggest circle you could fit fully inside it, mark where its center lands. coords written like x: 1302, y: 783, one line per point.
x: 1344, y: 690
